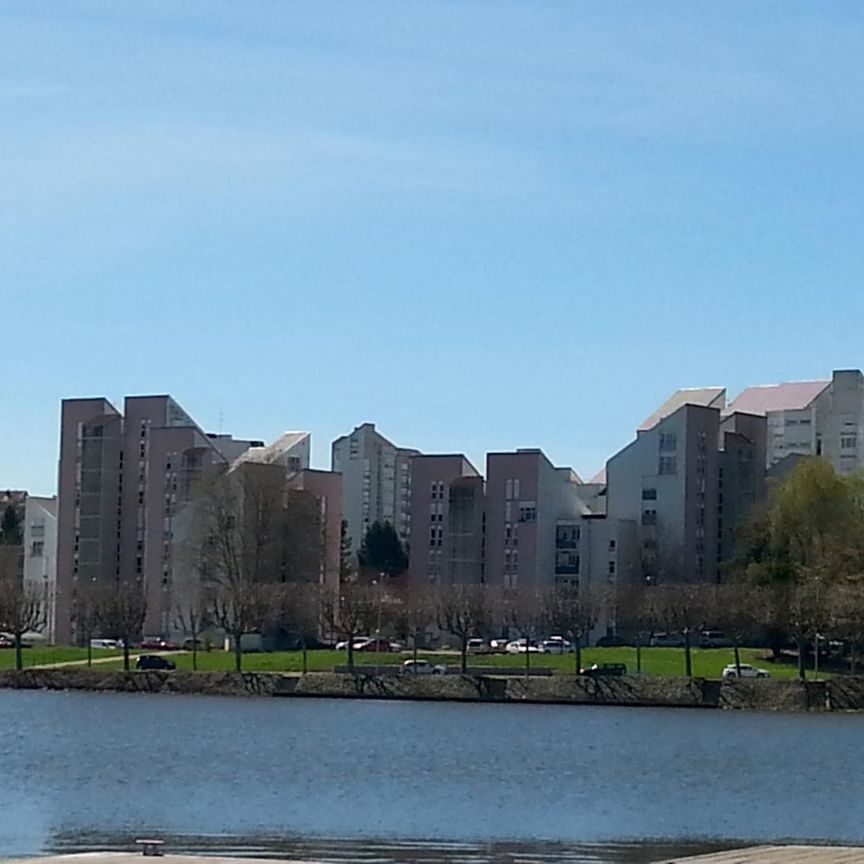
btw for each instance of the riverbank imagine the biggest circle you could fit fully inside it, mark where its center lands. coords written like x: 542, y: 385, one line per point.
x: 838, y: 694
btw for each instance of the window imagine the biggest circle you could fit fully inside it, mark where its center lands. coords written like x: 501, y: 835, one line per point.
x: 611, y: 568
x: 649, y: 494
x: 528, y: 512
x: 516, y: 487
x: 848, y: 442
x: 668, y: 442
x: 649, y: 517
x: 508, y: 489
x: 612, y: 545
x: 37, y: 548
x: 668, y: 465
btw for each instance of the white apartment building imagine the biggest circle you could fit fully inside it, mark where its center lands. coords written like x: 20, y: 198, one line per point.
x: 40, y: 556
x: 376, y: 482
x: 811, y: 418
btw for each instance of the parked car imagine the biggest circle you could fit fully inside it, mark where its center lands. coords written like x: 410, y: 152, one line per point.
x: 667, y: 640
x: 747, y: 671
x: 605, y: 670
x: 714, y: 639
x: 381, y: 645
x: 557, y: 645
x: 154, y: 661
x: 422, y: 667
x: 107, y: 644
x: 6, y: 642
x: 478, y: 646
x: 343, y: 644
x: 517, y: 646
x: 498, y: 646
x: 156, y: 643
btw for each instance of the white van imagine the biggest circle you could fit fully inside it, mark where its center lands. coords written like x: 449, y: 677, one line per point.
x: 105, y: 643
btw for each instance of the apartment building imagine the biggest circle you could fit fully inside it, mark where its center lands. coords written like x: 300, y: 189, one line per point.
x: 666, y: 482
x: 447, y: 521
x: 40, y: 556
x: 376, y: 482
x: 536, y: 520
x: 686, y: 485
x: 123, y: 477
x: 811, y: 418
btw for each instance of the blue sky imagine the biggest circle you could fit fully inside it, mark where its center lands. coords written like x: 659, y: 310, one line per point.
x: 480, y: 225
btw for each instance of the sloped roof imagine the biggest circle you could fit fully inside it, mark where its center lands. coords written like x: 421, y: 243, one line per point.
x: 792, y: 396
x: 707, y: 397
x: 599, y: 477
x: 272, y: 453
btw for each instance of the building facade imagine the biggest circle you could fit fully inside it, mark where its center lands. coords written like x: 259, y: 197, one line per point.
x: 376, y: 482
x: 40, y: 557
x: 447, y: 521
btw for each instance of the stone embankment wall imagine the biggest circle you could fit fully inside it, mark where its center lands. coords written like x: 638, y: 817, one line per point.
x: 839, y: 694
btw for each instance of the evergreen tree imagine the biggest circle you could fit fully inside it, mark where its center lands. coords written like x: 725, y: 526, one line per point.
x: 382, y: 550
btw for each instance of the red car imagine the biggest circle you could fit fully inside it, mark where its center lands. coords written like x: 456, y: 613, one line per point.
x: 159, y: 645
x: 378, y: 645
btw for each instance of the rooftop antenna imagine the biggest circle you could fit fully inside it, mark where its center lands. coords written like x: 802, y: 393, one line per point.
x: 220, y: 421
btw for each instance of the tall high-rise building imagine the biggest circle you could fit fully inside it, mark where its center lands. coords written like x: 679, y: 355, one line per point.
x: 123, y: 479
x: 447, y: 512
x: 376, y: 482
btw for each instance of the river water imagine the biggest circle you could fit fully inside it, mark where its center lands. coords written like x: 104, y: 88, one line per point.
x: 364, y: 780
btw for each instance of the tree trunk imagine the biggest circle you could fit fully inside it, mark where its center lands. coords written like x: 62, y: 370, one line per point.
x: 527, y: 656
x: 464, y: 655
x: 638, y: 655
x: 801, y: 673
x: 577, y: 653
x: 19, y: 660
x: 688, y: 660
x: 351, y: 654
x: 89, y: 651
x: 238, y: 652
x: 305, y: 654
x: 125, y: 655
x: 737, y: 658
x: 415, y: 647
x: 194, y: 653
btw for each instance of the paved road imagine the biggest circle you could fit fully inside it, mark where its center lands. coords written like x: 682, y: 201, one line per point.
x: 97, y: 659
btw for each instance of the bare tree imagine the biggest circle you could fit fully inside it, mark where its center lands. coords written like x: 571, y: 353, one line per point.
x: 20, y: 612
x: 239, y: 607
x: 571, y: 610
x: 295, y: 610
x: 349, y: 611
x: 84, y: 617
x: 241, y: 546
x: 681, y: 609
x: 636, y: 614
x: 463, y: 611
x: 521, y: 609
x: 192, y: 619
x: 413, y: 613
x: 119, y: 612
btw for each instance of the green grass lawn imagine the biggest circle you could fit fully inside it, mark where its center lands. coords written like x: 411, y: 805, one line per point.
x: 667, y: 662
x: 41, y: 654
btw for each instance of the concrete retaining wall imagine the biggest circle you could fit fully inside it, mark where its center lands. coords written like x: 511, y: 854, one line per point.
x: 839, y: 694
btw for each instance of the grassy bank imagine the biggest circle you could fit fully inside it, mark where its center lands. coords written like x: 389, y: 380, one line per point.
x: 47, y: 654
x: 663, y: 662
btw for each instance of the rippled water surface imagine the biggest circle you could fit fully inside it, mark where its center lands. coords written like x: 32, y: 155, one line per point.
x: 357, y: 780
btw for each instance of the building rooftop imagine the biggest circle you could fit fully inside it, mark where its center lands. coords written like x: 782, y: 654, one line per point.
x: 707, y: 397
x: 272, y: 453
x: 792, y: 396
